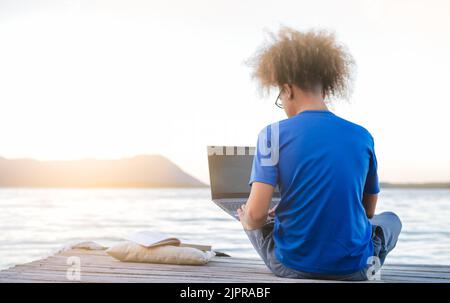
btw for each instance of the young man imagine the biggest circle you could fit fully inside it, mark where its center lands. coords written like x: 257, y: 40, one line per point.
x: 325, y: 226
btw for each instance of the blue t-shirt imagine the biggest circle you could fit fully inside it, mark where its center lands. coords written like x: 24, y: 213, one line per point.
x: 323, y: 165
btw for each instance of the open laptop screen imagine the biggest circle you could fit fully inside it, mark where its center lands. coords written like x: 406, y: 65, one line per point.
x: 229, y: 171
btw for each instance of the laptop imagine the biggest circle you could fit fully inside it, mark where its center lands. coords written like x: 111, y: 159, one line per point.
x: 229, y: 172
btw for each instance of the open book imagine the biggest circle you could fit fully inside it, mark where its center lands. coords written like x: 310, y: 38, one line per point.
x: 153, y: 239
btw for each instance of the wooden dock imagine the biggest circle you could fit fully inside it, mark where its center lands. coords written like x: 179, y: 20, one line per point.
x: 97, y: 266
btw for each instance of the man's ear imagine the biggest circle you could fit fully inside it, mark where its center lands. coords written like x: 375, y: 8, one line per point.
x: 289, y: 91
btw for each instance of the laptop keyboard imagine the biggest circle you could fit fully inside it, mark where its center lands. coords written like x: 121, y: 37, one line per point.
x: 233, y: 206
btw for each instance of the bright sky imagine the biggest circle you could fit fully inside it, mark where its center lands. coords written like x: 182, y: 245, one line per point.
x: 109, y: 79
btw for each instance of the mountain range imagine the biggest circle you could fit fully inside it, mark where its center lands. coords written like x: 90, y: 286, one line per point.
x: 138, y: 171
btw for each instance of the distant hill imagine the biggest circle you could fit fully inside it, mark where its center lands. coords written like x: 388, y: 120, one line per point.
x: 139, y: 171
x: 415, y: 185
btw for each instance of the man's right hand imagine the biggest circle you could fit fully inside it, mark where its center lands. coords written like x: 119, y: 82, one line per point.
x: 271, y: 212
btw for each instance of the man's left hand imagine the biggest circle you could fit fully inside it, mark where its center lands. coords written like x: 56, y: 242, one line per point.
x: 241, y: 213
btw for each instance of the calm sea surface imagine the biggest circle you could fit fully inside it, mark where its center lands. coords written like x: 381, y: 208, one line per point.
x: 36, y: 222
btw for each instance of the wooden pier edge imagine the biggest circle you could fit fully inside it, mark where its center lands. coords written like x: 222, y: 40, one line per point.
x: 98, y: 267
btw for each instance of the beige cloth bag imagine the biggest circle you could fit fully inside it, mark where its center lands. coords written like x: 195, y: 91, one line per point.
x: 165, y: 254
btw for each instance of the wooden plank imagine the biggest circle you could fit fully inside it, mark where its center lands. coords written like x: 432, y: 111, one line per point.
x: 144, y: 266
x: 395, y: 278
x: 252, y: 261
x: 155, y: 269
x: 79, y: 252
x: 118, y: 277
x: 415, y: 274
x: 442, y: 269
x: 97, y: 266
x: 173, y: 270
x: 259, y: 263
x: 61, y: 270
x: 164, y: 267
x: 26, y: 280
x: 113, y: 272
x: 244, y: 260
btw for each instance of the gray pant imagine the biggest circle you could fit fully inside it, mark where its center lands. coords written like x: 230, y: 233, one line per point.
x: 386, y: 228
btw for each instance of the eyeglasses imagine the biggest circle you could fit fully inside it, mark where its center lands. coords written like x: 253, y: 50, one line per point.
x: 278, y: 101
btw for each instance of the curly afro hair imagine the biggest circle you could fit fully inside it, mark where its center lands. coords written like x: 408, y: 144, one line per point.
x: 306, y: 59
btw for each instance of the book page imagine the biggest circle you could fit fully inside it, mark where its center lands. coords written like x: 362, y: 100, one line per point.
x: 151, y: 239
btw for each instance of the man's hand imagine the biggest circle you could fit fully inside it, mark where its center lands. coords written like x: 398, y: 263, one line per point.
x: 253, y: 214
x: 241, y: 213
x: 271, y: 212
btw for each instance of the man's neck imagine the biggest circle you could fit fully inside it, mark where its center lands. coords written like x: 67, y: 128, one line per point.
x: 311, y: 105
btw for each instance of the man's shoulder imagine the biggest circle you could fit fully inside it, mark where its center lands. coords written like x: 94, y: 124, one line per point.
x: 357, y: 128
x: 284, y: 125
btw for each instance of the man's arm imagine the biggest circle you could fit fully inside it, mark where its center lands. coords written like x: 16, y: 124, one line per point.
x: 254, y: 213
x: 370, y: 203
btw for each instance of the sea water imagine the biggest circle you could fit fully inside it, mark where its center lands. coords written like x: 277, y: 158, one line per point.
x: 37, y: 222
